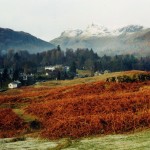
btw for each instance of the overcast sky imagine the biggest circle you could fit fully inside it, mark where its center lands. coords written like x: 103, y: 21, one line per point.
x: 48, y: 18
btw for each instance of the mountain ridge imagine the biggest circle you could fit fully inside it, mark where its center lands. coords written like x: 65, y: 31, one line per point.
x: 20, y: 40
x: 129, y: 39
x: 95, y: 30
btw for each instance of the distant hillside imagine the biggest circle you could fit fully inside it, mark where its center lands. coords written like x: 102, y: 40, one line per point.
x: 132, y: 39
x: 10, y: 39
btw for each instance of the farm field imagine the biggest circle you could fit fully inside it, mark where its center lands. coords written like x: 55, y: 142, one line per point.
x: 79, y: 109
x: 137, y: 141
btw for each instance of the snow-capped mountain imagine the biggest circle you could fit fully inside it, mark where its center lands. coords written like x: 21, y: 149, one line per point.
x: 106, y: 41
x: 95, y: 30
x: 101, y: 31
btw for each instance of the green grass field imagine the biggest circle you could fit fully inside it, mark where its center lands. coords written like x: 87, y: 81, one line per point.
x: 134, y: 141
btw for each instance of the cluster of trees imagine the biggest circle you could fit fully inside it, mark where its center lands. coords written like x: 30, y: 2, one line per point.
x: 124, y: 63
x: 126, y: 78
x: 28, y: 63
x: 80, y: 58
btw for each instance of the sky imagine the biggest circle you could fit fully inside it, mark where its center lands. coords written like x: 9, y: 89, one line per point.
x: 46, y: 19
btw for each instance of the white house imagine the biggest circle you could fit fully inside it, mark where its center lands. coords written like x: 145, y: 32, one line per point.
x: 51, y: 68
x: 14, y: 84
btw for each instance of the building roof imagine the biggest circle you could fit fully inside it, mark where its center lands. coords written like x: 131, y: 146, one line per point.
x: 15, y: 82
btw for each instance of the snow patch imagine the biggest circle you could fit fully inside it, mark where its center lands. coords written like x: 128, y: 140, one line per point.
x: 101, y: 31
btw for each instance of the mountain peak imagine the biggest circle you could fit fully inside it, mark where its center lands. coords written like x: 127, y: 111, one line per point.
x: 91, y: 30
x: 95, y: 30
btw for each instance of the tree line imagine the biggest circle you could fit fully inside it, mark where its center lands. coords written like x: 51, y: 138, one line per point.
x: 84, y: 59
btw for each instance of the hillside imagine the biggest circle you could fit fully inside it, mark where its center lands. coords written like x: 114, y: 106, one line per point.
x: 84, y: 113
x: 10, y: 39
x: 83, y: 108
x: 132, y: 39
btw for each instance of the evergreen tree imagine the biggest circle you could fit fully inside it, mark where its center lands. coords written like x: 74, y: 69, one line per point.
x: 73, y: 68
x: 1, y: 81
x: 16, y: 74
x: 5, y: 75
x: 58, y: 48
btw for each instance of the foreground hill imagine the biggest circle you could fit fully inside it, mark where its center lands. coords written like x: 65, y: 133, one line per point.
x: 132, y: 39
x: 76, y: 110
x: 10, y: 39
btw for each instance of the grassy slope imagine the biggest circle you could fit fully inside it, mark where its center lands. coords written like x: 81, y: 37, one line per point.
x: 137, y: 141
x: 103, y: 77
x: 53, y: 84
